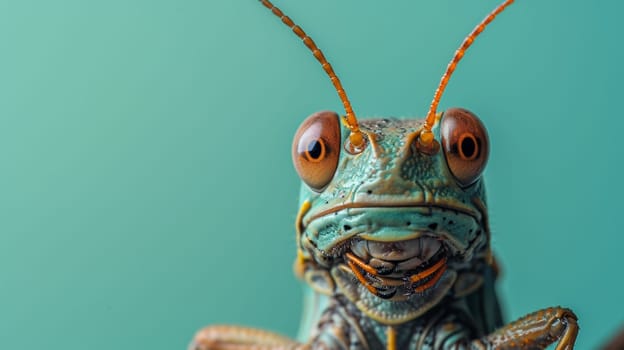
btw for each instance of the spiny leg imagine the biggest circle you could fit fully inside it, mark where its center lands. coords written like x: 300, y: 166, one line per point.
x: 241, y: 338
x: 534, y: 331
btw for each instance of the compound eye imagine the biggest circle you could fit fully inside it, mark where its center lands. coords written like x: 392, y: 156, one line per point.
x: 316, y: 149
x: 465, y: 143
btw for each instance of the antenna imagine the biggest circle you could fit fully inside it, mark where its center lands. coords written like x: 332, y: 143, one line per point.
x: 426, y: 136
x: 356, y: 138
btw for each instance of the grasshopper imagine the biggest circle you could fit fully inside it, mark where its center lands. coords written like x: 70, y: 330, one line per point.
x: 392, y: 234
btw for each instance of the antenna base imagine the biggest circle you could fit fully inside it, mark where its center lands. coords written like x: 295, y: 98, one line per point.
x: 427, y: 144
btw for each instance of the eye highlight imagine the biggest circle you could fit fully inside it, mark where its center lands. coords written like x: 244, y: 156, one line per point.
x: 465, y: 143
x: 316, y: 149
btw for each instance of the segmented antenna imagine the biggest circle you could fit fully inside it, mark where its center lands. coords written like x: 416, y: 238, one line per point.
x: 356, y: 137
x: 426, y: 136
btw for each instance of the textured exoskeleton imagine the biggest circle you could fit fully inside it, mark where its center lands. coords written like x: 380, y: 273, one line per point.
x: 393, y: 237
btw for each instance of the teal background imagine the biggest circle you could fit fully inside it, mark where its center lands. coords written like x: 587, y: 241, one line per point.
x: 146, y: 187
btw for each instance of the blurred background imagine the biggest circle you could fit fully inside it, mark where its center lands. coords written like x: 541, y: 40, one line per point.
x: 146, y: 188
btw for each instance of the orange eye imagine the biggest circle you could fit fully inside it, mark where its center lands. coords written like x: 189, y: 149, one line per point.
x: 316, y: 149
x: 465, y: 144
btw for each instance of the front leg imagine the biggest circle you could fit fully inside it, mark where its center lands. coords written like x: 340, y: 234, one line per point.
x: 241, y: 338
x: 534, y: 331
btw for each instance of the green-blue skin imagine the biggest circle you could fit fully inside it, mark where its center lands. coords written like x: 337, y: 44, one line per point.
x: 392, y: 192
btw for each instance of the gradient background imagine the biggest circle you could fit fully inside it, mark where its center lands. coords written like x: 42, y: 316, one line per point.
x: 146, y: 187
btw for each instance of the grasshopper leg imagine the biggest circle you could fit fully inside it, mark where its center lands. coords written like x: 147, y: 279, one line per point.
x: 241, y: 338
x: 535, y: 331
